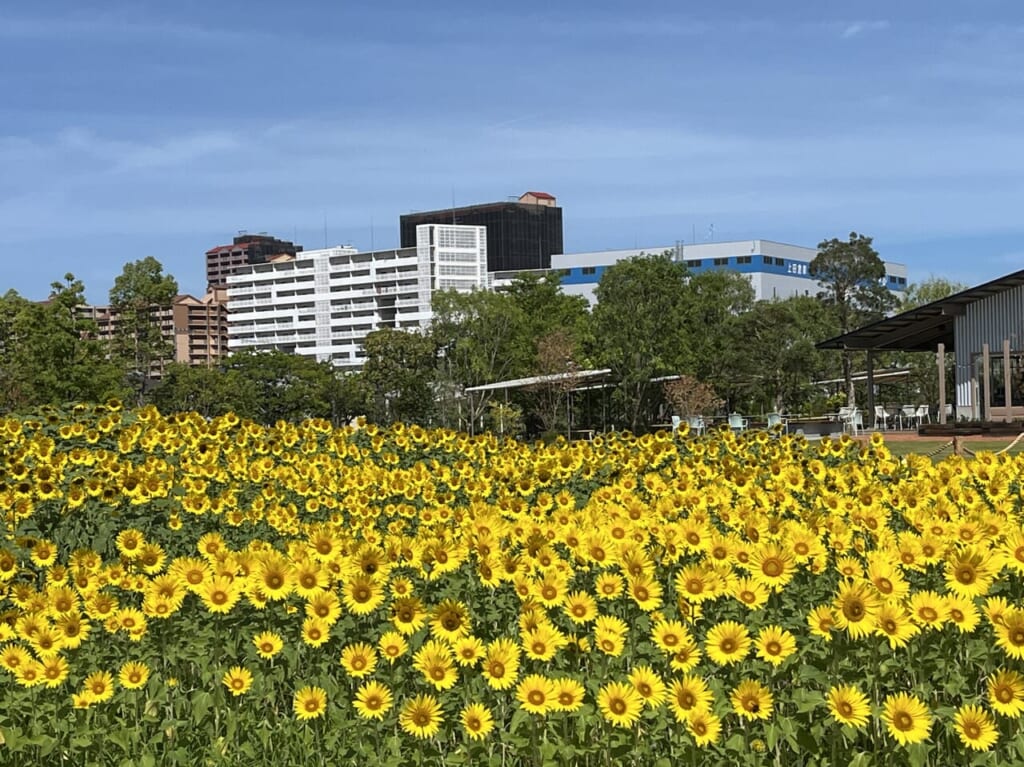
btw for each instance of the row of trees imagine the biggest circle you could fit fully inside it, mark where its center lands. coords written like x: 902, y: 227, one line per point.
x: 652, y: 319
x: 50, y: 352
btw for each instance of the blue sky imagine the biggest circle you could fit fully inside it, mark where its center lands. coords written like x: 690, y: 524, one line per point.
x: 161, y: 129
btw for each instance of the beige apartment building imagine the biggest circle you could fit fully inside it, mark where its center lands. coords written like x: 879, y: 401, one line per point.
x: 197, y: 327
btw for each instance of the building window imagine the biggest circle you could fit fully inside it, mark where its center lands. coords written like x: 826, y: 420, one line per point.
x: 590, y: 270
x: 721, y: 262
x: 767, y: 260
x: 743, y: 259
x: 694, y: 263
x: 780, y: 262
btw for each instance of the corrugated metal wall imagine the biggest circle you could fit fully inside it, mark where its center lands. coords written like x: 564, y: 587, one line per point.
x: 989, y: 320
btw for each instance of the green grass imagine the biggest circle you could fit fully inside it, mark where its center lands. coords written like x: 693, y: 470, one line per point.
x: 929, y: 446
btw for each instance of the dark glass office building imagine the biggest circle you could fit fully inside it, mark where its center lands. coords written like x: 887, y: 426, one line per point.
x: 520, y: 235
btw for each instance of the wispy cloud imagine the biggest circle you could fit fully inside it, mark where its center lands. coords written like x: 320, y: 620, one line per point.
x: 114, y: 28
x: 119, y: 155
x: 856, y: 28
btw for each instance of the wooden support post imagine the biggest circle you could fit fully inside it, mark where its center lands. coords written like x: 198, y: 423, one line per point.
x: 1006, y: 379
x: 942, y: 382
x: 986, y: 385
x: 869, y: 414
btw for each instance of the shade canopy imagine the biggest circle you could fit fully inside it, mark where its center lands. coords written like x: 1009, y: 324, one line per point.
x: 924, y: 328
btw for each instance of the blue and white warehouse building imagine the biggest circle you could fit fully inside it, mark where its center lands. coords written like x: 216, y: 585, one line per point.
x: 775, y: 270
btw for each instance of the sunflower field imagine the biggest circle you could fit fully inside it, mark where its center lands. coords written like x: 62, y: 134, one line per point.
x: 184, y: 591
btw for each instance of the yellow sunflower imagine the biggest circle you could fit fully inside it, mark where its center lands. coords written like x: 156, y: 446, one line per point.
x: 358, y: 659
x: 727, y: 642
x: 848, y: 705
x: 536, y: 694
x: 541, y: 643
x: 237, y: 679
x: 568, y: 695
x: 392, y: 646
x: 976, y: 728
x: 774, y: 644
x: 704, y: 726
x: 98, y: 687
x: 500, y: 665
x: 691, y: 693
x: 894, y: 623
x: 928, y: 609
x: 771, y: 565
x: 133, y: 675
x: 315, y: 631
x: 651, y: 687
x: 752, y: 700
x: 1006, y: 693
x: 1010, y: 633
x: 969, y: 571
x: 906, y: 718
x: 477, y: 720
x: 54, y: 671
x: 373, y: 700
x: 434, y: 660
x: 309, y: 702
x: 450, y: 620
x: 421, y: 716
x: 854, y: 608
x: 268, y: 644
x: 580, y: 607
x: 620, y: 704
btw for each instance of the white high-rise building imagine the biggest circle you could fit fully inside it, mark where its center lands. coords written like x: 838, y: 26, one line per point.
x: 323, y: 303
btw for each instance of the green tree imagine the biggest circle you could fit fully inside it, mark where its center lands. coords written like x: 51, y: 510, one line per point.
x: 852, y: 278
x: 141, y: 298
x: 714, y: 303
x: 640, y: 330
x: 546, y: 309
x: 558, y: 371
x: 929, y: 290
x: 209, y: 391
x: 481, y: 338
x: 51, y: 355
x: 11, y: 305
x: 269, y: 386
x: 781, y: 358
x: 400, y: 369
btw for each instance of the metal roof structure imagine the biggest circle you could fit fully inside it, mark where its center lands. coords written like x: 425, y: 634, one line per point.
x: 924, y: 328
x: 581, y: 377
x: 888, y: 375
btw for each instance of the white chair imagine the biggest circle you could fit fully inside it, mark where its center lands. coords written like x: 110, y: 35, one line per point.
x: 881, y: 417
x: 923, y: 414
x: 909, y: 414
x: 854, y: 419
x: 737, y: 422
x: 696, y: 424
x: 776, y: 419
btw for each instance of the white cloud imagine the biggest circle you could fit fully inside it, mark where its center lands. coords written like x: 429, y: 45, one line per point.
x: 858, y: 27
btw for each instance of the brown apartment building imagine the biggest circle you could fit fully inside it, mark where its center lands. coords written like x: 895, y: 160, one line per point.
x: 197, y: 327
x: 245, y: 249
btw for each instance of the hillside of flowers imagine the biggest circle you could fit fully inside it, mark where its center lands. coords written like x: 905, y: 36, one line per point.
x: 184, y: 591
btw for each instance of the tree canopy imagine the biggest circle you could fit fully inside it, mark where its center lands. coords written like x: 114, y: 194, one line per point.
x: 639, y: 329
x: 852, y: 278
